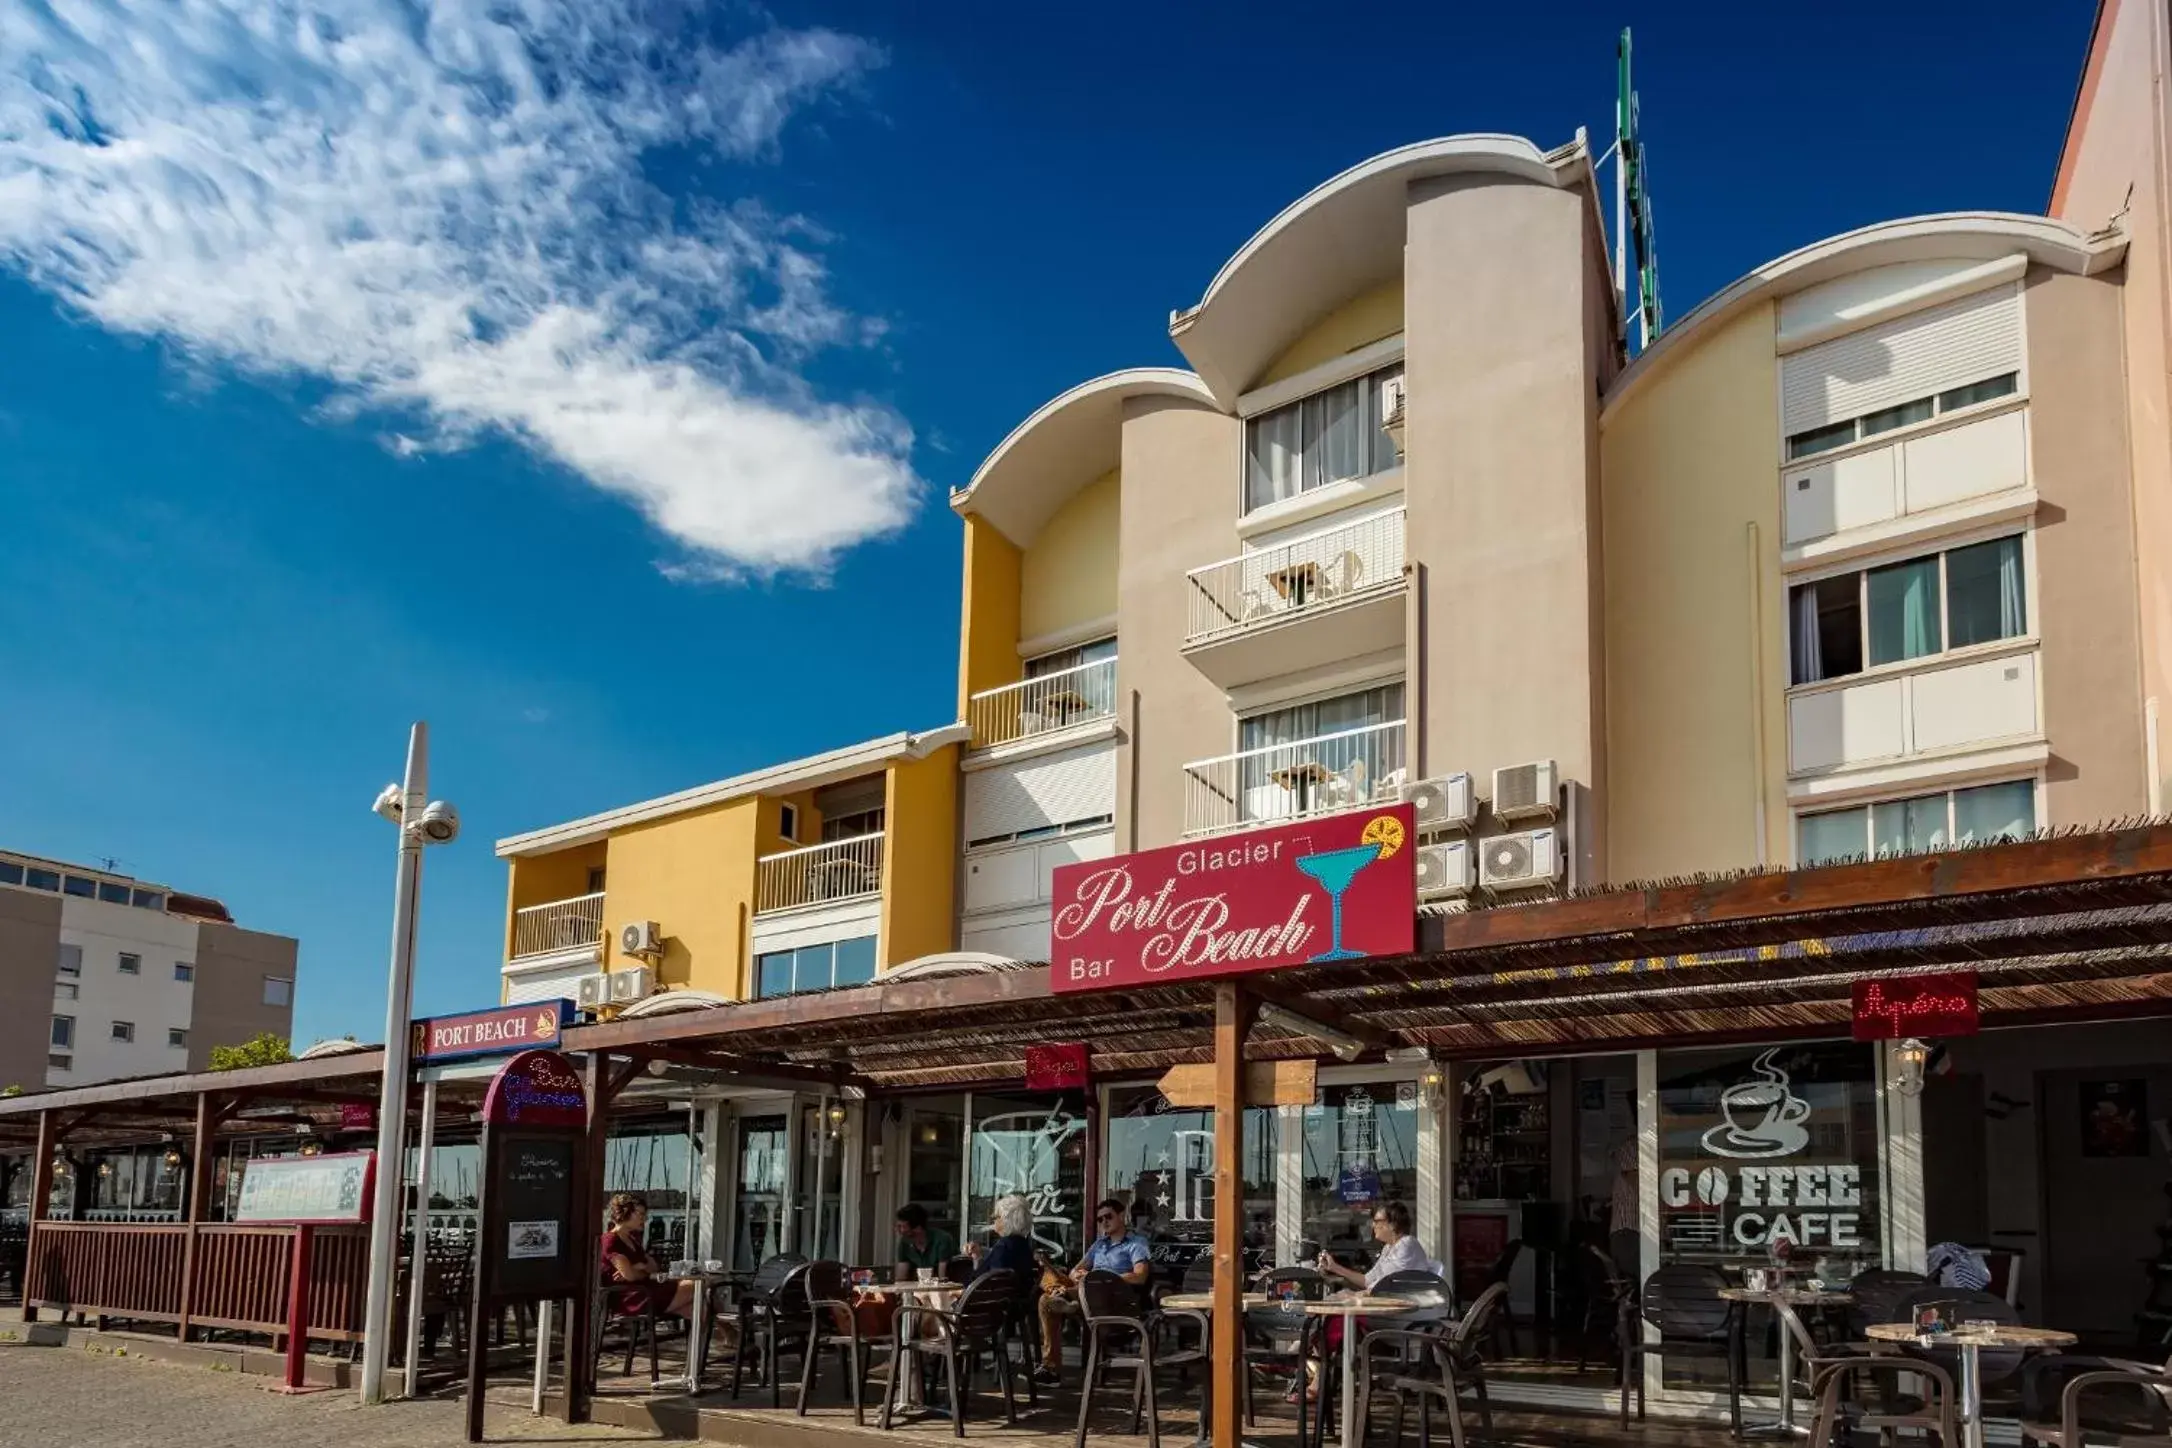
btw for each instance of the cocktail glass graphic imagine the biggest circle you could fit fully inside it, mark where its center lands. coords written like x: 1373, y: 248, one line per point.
x: 1336, y: 869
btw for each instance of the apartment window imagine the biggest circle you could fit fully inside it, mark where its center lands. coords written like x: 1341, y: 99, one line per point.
x: 1886, y: 419
x: 595, y: 879
x: 131, y: 964
x: 60, y: 1063
x: 66, y: 990
x: 1064, y: 660
x: 38, y: 879
x: 815, y: 967
x: 183, y: 971
x: 70, y: 962
x: 788, y: 822
x: 278, y: 991
x: 148, y: 899
x: 64, y: 1031
x: 1919, y: 823
x: 852, y: 826
x: 79, y: 887
x: 111, y: 893
x: 1327, y: 753
x: 124, y: 1030
x: 10, y: 873
x: 1329, y: 437
x: 1365, y: 709
x: 1909, y: 610
x: 177, y: 1039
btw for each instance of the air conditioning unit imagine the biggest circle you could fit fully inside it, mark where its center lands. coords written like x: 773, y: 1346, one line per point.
x: 1444, y: 870
x: 1391, y: 411
x: 628, y: 986
x: 640, y: 937
x: 592, y: 992
x: 1526, y: 791
x: 1447, y: 803
x: 1520, y: 861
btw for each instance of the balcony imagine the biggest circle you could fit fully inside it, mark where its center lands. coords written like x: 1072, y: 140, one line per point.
x: 1983, y: 699
x: 824, y: 874
x: 559, y: 928
x: 1043, y: 705
x: 1303, y: 778
x: 1330, y: 595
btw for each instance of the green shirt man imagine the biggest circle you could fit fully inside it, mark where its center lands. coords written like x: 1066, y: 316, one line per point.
x: 919, y: 1245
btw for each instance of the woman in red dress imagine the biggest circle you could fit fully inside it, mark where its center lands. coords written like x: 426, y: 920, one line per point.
x: 629, y: 1270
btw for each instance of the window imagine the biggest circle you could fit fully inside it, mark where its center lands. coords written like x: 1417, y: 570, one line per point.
x: 10, y: 873
x: 788, y: 822
x: 1064, y: 660
x: 64, y: 1031
x: 595, y: 879
x: 131, y: 964
x: 177, y: 1039
x: 1922, y: 409
x: 1364, y: 709
x: 1160, y: 1162
x: 1329, y: 437
x: 111, y: 893
x: 815, y: 967
x: 124, y: 1030
x: 1908, y: 610
x: 1976, y: 815
x: 60, y: 1063
x: 148, y: 899
x: 183, y: 971
x: 278, y: 991
x: 71, y: 960
x: 852, y: 826
x: 38, y: 879
x: 66, y: 990
x: 79, y: 887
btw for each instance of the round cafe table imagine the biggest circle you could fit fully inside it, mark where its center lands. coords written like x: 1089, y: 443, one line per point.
x: 1797, y: 1296
x: 1966, y: 1342
x: 1347, y: 1306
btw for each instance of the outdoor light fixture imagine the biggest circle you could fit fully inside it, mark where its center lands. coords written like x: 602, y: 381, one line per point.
x: 61, y: 1167
x: 312, y: 1147
x: 1430, y: 1084
x: 105, y: 1168
x: 172, y: 1159
x: 1910, y: 1058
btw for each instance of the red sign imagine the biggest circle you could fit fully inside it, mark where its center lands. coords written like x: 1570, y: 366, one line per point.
x: 1916, y: 1005
x: 484, y: 1033
x: 536, y: 1088
x: 357, y: 1116
x: 1057, y: 1068
x: 1336, y: 888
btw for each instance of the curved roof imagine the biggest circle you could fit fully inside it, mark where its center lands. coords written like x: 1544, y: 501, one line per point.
x: 953, y: 962
x: 1068, y: 442
x: 1343, y: 236
x: 1950, y: 236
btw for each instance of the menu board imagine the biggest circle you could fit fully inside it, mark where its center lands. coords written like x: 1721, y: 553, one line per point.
x: 536, y: 1232
x: 333, y: 1188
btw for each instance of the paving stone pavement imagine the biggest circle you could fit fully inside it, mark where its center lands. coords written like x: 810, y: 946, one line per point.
x: 53, y: 1396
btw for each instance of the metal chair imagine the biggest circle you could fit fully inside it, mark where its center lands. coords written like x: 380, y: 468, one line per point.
x: 975, y: 1326
x: 1111, y: 1307
x: 831, y: 1323
x: 2139, y: 1416
x: 773, y: 1306
x: 1832, y: 1373
x: 1276, y: 1340
x: 1683, y: 1303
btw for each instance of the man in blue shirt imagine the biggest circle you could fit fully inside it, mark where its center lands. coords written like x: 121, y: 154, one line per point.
x: 1115, y: 1249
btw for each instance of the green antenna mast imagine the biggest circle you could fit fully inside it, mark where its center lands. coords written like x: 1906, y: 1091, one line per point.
x: 1633, y: 236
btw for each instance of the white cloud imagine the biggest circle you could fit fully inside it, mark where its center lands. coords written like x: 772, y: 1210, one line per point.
x: 440, y: 208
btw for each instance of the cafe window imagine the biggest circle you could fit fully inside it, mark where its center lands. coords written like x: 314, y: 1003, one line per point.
x: 1360, y: 1149
x: 1160, y: 1163
x: 1035, y: 1146
x: 655, y: 1160
x: 1765, y: 1153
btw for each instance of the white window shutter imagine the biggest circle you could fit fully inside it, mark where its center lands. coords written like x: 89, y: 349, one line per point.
x: 1950, y: 345
x: 1051, y: 789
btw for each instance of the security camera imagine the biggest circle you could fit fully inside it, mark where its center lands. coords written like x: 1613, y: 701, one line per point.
x: 388, y: 803
x: 440, y: 823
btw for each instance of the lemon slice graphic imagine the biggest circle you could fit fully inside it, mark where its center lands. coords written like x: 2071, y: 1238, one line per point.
x: 1386, y: 832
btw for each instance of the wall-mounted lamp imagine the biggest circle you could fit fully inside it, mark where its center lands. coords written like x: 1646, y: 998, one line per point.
x: 312, y: 1147
x: 1911, y: 1059
x: 105, y: 1168
x: 172, y: 1159
x: 1432, y: 1083
x: 62, y: 1166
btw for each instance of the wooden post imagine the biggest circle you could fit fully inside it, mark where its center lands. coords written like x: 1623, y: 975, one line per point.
x: 298, y: 1311
x: 197, y: 1200
x: 1234, y: 1010
x: 41, y: 1188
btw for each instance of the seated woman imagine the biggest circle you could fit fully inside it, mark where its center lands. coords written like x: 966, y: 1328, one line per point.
x: 1012, y: 1229
x: 1399, y: 1252
x: 628, y: 1269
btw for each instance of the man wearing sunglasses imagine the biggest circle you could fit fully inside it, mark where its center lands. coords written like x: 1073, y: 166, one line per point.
x: 1116, y: 1249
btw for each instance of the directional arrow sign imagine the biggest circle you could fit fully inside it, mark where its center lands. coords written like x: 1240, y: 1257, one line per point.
x: 1266, y: 1083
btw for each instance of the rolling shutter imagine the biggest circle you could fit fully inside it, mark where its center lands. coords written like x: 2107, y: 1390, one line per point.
x: 1954, y: 343
x: 1051, y: 789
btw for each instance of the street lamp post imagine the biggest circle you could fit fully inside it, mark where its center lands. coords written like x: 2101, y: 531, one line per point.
x: 420, y: 824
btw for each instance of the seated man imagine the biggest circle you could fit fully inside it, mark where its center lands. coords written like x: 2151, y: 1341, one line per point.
x: 919, y: 1245
x: 1116, y: 1249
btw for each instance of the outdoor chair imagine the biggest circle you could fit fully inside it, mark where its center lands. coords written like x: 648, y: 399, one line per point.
x: 774, y: 1317
x: 1683, y: 1303
x: 1023, y: 1327
x: 1278, y: 1341
x: 831, y: 1324
x: 963, y: 1333
x: 1609, y: 1301
x: 1879, y: 1293
x: 2080, y: 1401
x: 1427, y: 1356
x: 958, y: 1269
x: 1912, y: 1394
x: 1503, y: 1331
x: 1113, y: 1321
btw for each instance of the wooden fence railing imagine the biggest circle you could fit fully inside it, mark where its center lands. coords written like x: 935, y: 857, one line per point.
x: 198, y: 1274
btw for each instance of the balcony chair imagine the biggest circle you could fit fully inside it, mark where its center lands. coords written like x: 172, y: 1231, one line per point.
x: 1113, y: 1319
x: 1683, y: 1302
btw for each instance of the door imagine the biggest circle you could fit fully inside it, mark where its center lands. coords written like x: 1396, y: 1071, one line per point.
x: 758, y: 1211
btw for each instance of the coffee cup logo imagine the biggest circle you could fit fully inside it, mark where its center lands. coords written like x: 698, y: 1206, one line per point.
x: 1764, y: 1116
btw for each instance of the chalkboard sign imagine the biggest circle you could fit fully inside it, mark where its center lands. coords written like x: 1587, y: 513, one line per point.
x: 538, y: 1231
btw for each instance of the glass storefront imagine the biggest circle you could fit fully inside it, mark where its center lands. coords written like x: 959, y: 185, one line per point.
x: 818, y: 1201
x: 1359, y: 1147
x: 934, y: 1168
x: 1035, y: 1146
x: 758, y: 1203
x: 1160, y: 1162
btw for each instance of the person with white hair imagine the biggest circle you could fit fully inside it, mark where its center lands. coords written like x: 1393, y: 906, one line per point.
x: 1011, y: 1225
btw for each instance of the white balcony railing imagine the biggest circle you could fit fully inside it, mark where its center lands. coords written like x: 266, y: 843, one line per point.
x: 1038, y: 705
x: 1291, y: 781
x: 845, y: 869
x: 1306, y: 574
x: 560, y: 925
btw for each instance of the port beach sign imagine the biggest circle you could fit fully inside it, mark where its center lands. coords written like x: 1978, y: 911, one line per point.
x: 1339, y: 887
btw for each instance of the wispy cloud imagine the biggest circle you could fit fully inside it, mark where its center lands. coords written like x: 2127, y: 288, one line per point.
x: 441, y: 209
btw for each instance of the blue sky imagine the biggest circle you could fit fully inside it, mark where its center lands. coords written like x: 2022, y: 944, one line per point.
x: 592, y: 392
